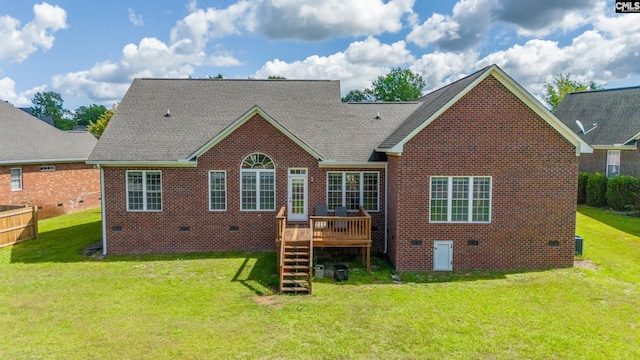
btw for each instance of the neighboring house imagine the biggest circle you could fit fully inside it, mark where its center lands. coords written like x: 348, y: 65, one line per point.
x: 475, y: 175
x: 47, y: 119
x: 44, y: 166
x: 611, y: 122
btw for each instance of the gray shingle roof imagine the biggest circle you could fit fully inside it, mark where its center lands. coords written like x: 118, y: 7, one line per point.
x: 201, y: 108
x: 616, y: 111
x: 430, y: 104
x: 26, y: 139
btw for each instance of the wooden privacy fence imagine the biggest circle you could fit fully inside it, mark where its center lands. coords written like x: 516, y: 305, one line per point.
x: 17, y: 223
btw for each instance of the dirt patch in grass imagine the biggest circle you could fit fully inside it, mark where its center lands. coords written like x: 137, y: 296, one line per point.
x: 585, y: 263
x: 268, y: 300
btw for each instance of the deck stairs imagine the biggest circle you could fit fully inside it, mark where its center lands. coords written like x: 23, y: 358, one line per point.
x: 296, y: 267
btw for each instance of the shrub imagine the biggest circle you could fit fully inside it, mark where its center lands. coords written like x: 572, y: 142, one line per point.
x: 622, y: 192
x: 582, y: 187
x: 596, y: 190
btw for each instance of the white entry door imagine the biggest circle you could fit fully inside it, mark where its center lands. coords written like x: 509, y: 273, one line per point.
x: 297, y: 207
x: 442, y: 255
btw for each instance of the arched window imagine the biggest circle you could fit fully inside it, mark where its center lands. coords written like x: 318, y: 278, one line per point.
x: 257, y: 183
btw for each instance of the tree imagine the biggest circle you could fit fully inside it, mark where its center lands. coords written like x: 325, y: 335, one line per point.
x: 97, y: 127
x: 276, y: 77
x: 357, y: 96
x: 49, y: 103
x: 86, y: 114
x: 398, y: 85
x: 561, y: 85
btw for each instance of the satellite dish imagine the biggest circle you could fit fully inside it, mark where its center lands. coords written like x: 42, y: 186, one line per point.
x: 580, y: 126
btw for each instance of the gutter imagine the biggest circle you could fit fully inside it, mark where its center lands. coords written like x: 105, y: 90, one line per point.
x: 103, y: 212
x: 386, y: 205
x: 175, y: 163
x: 42, y: 161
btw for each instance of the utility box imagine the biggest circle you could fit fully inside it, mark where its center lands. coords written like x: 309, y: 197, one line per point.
x: 341, y: 272
x: 579, y: 245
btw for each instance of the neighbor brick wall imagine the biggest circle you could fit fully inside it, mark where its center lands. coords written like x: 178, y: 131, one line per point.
x: 488, y: 132
x: 597, y: 162
x: 185, y: 199
x: 71, y: 187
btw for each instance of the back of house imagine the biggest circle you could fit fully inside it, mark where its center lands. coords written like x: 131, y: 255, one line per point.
x: 609, y: 120
x: 475, y: 175
x: 45, y: 167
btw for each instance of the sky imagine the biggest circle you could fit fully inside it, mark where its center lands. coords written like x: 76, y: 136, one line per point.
x: 90, y: 51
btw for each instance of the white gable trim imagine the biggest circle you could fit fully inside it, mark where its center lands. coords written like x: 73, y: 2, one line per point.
x: 516, y: 89
x: 243, y: 119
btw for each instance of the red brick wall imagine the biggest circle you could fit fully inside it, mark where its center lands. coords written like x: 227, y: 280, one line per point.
x: 597, y: 162
x: 488, y: 132
x: 185, y: 199
x: 69, y: 188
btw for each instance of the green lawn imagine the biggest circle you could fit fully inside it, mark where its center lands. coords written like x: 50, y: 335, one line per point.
x: 55, y: 303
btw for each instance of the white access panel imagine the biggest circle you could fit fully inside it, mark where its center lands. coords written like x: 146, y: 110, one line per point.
x: 442, y: 255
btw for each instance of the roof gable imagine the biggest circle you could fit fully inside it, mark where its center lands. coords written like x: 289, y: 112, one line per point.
x: 615, y: 111
x: 256, y: 110
x: 442, y: 99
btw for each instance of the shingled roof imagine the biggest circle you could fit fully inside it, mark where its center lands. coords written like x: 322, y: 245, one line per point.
x: 615, y: 111
x: 26, y: 139
x: 173, y: 121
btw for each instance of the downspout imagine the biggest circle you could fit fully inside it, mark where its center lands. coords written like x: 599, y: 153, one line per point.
x: 386, y: 203
x: 103, y: 210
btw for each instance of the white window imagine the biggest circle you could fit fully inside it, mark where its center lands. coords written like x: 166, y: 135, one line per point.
x: 47, y: 168
x: 217, y: 190
x: 460, y: 199
x: 613, y: 163
x: 353, y: 189
x: 257, y: 183
x: 16, y: 179
x: 144, y: 191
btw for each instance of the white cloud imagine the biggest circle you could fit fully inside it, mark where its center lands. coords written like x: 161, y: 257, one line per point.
x: 135, y: 19
x: 372, y: 52
x: 22, y: 99
x: 18, y: 43
x: 441, y: 68
x: 317, y: 20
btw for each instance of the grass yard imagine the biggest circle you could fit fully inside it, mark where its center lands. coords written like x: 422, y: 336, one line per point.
x: 56, y: 303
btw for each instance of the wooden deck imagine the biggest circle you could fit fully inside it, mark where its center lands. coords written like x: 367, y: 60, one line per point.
x: 325, y: 232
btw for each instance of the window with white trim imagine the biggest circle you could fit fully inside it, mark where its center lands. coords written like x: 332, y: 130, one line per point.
x: 353, y: 189
x: 144, y: 191
x: 613, y: 163
x: 460, y: 199
x: 217, y: 190
x: 257, y: 183
x: 47, y: 168
x: 16, y: 179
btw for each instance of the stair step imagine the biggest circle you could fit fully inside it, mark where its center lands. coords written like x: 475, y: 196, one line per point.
x: 296, y: 247
x: 297, y: 267
x: 295, y: 289
x: 297, y: 282
x: 289, y: 261
x: 295, y: 274
x: 296, y: 253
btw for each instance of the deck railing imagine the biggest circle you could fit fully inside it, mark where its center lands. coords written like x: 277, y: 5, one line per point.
x: 336, y: 230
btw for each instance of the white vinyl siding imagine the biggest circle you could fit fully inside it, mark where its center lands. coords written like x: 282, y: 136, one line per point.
x: 353, y: 189
x: 217, y: 190
x: 144, y: 191
x: 460, y: 199
x: 16, y: 179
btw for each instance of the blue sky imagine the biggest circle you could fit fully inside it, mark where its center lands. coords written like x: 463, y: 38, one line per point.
x: 90, y: 51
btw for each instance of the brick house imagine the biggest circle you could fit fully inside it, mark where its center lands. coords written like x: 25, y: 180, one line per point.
x: 610, y: 121
x: 475, y: 175
x: 44, y: 166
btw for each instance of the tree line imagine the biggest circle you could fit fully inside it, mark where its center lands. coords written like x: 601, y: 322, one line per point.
x: 93, y: 118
